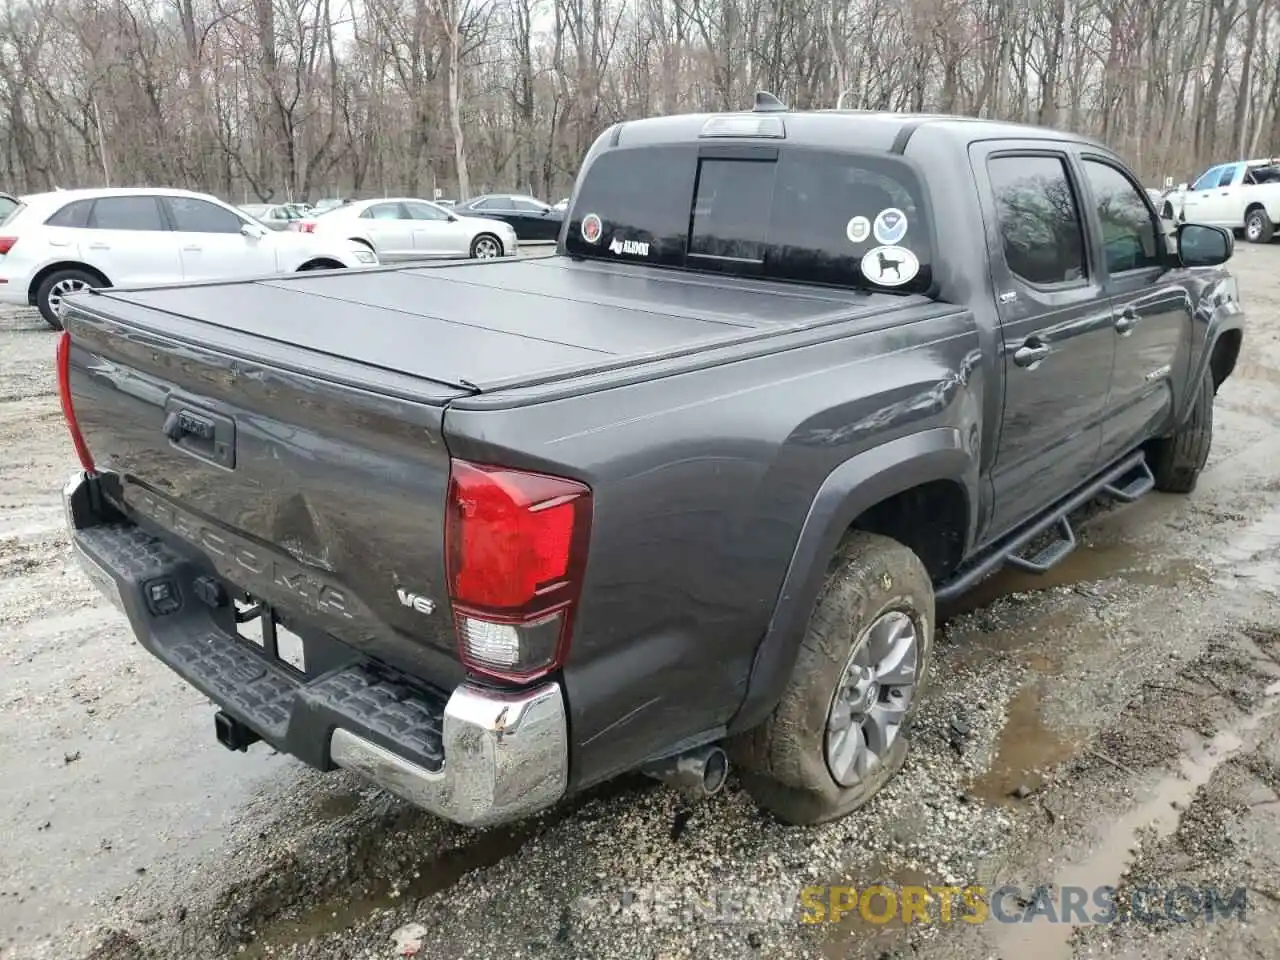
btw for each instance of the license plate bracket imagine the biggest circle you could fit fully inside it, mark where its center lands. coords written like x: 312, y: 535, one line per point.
x: 258, y: 624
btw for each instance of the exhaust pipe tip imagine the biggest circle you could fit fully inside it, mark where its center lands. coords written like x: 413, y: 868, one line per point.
x: 715, y: 771
x: 697, y: 774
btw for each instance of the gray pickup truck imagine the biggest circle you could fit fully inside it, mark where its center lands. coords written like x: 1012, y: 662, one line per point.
x: 684, y: 493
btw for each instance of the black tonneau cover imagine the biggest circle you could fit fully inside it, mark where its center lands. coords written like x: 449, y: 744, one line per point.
x: 483, y: 326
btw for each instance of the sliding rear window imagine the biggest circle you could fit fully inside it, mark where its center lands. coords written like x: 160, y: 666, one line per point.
x: 790, y: 213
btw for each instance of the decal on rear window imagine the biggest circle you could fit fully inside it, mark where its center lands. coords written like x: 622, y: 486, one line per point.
x: 891, y: 226
x: 858, y: 229
x: 890, y: 266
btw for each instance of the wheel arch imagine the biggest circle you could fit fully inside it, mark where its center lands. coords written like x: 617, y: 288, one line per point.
x: 321, y: 263
x: 46, y: 271
x: 886, y: 490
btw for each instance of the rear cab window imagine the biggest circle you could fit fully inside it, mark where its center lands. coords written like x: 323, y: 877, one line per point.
x: 782, y: 212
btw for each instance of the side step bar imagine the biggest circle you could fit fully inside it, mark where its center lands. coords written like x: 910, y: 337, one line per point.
x: 1127, y: 481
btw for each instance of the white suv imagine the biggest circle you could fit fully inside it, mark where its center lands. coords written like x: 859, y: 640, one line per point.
x: 53, y: 244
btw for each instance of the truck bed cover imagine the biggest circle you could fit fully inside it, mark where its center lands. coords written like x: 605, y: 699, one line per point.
x: 486, y: 326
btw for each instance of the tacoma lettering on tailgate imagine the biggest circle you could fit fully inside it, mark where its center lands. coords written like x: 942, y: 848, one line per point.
x: 234, y: 556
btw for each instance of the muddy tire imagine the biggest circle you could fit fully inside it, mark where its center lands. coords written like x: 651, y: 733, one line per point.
x: 1258, y: 227
x: 789, y: 763
x: 61, y: 283
x: 1176, y: 460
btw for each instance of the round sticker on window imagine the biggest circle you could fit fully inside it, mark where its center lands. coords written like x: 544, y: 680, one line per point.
x: 891, y: 225
x: 591, y: 228
x: 858, y: 229
x: 890, y: 266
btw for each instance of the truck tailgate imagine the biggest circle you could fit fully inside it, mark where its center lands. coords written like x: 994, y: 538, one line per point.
x: 305, y: 491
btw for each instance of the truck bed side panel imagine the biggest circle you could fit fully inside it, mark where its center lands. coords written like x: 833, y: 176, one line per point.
x: 702, y: 482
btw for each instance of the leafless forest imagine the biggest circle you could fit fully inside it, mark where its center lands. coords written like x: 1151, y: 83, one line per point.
x: 263, y: 99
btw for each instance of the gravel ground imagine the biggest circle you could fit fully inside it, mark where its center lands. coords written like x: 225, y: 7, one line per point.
x: 1115, y: 723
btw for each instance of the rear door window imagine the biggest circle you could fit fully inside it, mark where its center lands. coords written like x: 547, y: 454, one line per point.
x: 126, y: 213
x: 792, y: 213
x: 1041, y: 229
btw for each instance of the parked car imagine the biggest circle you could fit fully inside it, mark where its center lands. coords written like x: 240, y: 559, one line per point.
x: 328, y: 203
x: 561, y: 205
x: 532, y: 219
x: 274, y: 216
x: 489, y: 533
x: 1243, y: 196
x: 407, y: 228
x: 8, y: 203
x: 57, y: 243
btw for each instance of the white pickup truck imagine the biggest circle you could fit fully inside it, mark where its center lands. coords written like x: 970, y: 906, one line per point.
x: 1243, y: 196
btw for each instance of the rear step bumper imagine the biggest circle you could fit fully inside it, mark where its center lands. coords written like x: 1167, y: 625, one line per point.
x: 476, y: 757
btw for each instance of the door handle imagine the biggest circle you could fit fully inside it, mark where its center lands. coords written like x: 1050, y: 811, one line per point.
x: 59, y: 243
x: 99, y: 246
x: 191, y: 249
x: 1029, y: 354
x: 1126, y: 322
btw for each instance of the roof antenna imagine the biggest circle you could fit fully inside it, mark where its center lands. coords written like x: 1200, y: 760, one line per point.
x: 767, y: 103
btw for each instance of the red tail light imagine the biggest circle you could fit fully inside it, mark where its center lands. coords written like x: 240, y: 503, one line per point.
x: 516, y: 549
x: 64, y: 394
x: 306, y: 227
x: 6, y: 244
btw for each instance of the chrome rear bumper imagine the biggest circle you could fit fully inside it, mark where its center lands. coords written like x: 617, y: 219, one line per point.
x: 504, y: 757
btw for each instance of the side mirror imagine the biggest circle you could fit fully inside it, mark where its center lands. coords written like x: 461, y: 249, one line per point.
x: 1203, y: 246
x: 253, y: 231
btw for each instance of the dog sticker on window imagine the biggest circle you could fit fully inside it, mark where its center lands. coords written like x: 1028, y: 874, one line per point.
x: 890, y: 266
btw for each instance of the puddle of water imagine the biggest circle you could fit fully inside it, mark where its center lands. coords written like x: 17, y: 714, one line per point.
x: 343, y: 910
x: 1026, y: 753
x: 1112, y: 853
x: 1254, y: 552
x: 1087, y: 563
x: 853, y: 935
x: 336, y: 806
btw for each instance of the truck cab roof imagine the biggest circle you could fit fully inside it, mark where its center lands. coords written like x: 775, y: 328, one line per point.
x: 841, y: 129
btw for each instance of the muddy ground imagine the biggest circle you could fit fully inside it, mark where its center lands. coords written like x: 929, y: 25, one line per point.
x: 1116, y: 723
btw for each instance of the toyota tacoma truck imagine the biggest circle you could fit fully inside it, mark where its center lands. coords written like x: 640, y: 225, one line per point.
x: 685, y: 493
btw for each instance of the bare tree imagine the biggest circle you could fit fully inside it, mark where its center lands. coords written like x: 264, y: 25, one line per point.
x: 275, y: 98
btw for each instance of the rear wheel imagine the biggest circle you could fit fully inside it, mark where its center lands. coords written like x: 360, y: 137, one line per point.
x: 59, y: 284
x: 1177, y: 460
x: 842, y: 727
x: 486, y: 247
x: 1258, y: 227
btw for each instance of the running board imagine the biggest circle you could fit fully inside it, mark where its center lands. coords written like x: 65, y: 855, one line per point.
x: 1127, y: 481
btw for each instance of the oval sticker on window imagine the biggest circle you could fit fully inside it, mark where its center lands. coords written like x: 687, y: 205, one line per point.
x: 591, y: 228
x: 890, y: 266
